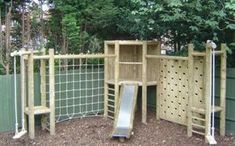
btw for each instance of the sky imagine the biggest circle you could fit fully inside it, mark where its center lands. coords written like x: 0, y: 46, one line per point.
x: 45, y: 6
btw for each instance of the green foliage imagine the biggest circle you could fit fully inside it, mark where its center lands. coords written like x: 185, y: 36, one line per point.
x: 230, y: 7
x: 71, y: 30
x: 84, y: 24
x: 81, y: 26
x: 188, y: 20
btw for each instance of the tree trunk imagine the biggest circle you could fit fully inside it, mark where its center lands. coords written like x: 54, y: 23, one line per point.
x: 64, y: 50
x: 42, y: 25
x: 23, y: 26
x: 8, y: 41
x: 233, y: 54
x: 1, y: 42
x: 2, y: 55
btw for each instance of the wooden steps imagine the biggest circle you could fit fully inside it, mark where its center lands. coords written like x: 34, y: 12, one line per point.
x: 110, y: 101
x: 199, y: 121
x: 198, y: 126
x: 198, y: 132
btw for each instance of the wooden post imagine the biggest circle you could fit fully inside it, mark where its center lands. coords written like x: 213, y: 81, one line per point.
x: 223, y: 89
x: 135, y: 66
x: 158, y: 83
x: 23, y: 88
x: 52, y: 91
x: 191, y: 87
x: 116, y: 75
x: 31, y: 96
x: 144, y: 86
x: 43, y: 89
x: 207, y: 92
x: 105, y: 81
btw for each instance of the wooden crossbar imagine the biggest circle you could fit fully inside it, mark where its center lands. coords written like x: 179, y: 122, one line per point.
x: 166, y: 57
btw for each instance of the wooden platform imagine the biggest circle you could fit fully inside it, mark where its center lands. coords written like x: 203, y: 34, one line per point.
x: 149, y: 83
x: 38, y: 110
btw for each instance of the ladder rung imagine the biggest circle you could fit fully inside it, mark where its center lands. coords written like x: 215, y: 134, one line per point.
x: 109, y: 111
x: 111, y: 106
x: 199, y: 126
x: 110, y: 117
x: 111, y: 100
x: 197, y: 132
x: 110, y: 94
x: 198, y: 110
x: 202, y: 110
x: 111, y: 89
x: 200, y: 119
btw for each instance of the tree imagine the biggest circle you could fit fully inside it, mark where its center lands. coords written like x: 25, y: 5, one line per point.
x: 185, y: 20
x: 5, y: 53
x: 13, y: 35
x: 81, y: 23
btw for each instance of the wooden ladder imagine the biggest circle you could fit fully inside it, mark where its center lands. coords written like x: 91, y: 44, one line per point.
x: 110, y: 101
x: 199, y: 117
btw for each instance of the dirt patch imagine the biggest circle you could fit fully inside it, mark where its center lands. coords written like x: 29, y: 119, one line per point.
x: 96, y: 131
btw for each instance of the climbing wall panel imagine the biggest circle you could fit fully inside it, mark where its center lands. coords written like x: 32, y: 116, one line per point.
x: 173, y: 88
x: 198, y: 99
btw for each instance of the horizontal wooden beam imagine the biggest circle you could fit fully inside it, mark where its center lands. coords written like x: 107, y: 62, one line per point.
x: 166, y: 57
x: 41, y: 57
x: 82, y: 56
x: 131, y: 63
x: 131, y: 42
x: 199, y: 54
x: 219, y: 52
x: 74, y: 56
x: 20, y: 53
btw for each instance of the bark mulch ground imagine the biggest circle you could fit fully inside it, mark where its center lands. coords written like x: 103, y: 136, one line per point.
x: 96, y: 131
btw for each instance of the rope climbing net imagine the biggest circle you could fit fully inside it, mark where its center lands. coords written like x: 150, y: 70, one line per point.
x: 79, y: 87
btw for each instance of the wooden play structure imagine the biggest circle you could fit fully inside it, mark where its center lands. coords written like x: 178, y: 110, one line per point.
x: 182, y: 84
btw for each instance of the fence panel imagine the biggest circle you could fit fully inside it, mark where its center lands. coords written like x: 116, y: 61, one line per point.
x: 7, y: 119
x: 230, y: 100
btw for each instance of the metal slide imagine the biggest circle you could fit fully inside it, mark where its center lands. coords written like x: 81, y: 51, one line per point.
x: 124, y: 118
